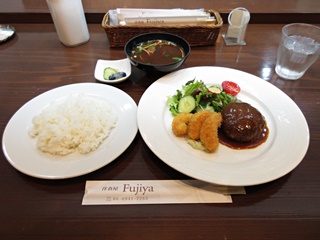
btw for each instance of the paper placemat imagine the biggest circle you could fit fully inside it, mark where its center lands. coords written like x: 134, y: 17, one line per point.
x: 156, y: 192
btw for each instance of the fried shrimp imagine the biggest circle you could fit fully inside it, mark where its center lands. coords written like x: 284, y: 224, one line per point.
x: 209, y: 131
x: 195, y: 124
x: 180, y: 124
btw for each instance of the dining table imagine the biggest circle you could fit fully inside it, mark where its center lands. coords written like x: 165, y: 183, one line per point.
x: 34, y: 62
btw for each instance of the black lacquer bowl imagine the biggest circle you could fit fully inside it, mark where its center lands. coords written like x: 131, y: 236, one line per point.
x: 157, y: 68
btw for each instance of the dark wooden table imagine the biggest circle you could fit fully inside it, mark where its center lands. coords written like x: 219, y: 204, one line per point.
x: 34, y: 61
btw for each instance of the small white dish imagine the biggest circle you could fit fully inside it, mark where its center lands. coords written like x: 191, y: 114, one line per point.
x: 122, y: 65
x: 6, y: 32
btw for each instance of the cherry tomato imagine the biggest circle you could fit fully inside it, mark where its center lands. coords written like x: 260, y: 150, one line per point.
x: 230, y: 87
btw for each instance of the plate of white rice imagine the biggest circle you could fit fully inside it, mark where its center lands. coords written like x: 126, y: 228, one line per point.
x: 70, y: 131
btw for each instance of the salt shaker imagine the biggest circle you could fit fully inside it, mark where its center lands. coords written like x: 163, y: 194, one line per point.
x: 69, y: 21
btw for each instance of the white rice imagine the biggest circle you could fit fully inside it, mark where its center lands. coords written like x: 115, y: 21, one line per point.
x: 78, y: 124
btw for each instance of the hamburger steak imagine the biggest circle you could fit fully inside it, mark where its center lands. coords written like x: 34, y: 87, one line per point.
x: 242, y: 122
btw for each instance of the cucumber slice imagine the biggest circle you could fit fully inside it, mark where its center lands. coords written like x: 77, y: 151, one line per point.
x: 109, y: 72
x: 206, y: 108
x: 186, y: 104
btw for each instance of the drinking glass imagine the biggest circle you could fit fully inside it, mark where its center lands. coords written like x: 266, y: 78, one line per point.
x: 298, y: 50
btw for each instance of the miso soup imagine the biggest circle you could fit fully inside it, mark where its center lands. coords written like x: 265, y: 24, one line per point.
x: 157, y: 52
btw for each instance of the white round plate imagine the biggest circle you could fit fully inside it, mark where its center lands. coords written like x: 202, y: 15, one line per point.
x: 122, y: 65
x: 284, y: 149
x: 21, y: 151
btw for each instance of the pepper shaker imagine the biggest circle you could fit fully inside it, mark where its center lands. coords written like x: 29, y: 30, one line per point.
x: 70, y: 22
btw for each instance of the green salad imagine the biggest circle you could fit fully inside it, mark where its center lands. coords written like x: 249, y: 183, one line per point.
x: 196, y: 96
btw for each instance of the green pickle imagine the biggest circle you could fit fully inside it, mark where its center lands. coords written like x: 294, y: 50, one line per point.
x: 109, y: 72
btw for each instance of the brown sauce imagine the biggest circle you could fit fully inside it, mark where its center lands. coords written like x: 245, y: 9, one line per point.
x: 157, y: 52
x: 223, y: 139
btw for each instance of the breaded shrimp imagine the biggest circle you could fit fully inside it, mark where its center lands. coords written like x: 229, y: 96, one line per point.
x: 209, y: 131
x: 195, y: 124
x: 180, y: 124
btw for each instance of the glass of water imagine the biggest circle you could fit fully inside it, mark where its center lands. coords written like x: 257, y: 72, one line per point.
x: 298, y: 50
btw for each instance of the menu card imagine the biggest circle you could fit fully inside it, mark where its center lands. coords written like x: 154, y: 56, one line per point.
x: 156, y: 192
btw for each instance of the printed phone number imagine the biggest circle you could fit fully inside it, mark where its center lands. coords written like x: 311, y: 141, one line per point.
x: 127, y: 198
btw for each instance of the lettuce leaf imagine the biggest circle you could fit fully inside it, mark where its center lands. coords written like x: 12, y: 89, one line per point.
x: 205, y: 99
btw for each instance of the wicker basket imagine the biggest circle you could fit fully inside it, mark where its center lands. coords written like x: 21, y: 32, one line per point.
x: 204, y: 35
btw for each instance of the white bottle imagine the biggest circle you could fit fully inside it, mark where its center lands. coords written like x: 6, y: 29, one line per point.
x: 69, y: 21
